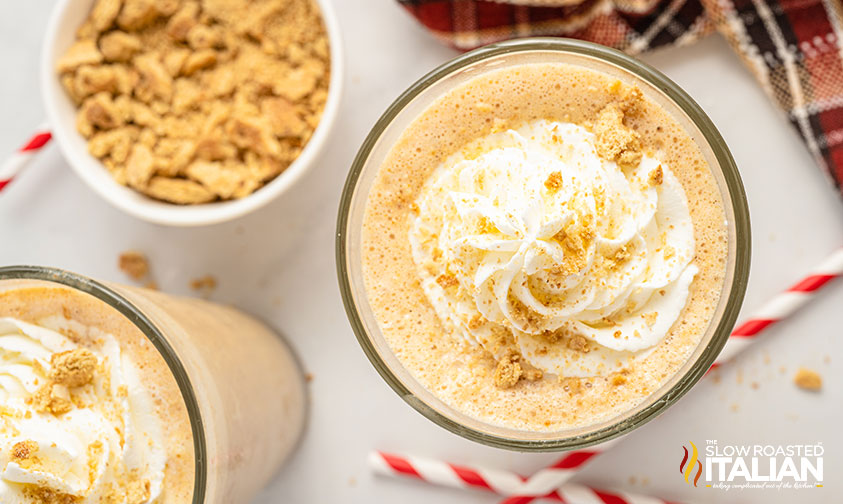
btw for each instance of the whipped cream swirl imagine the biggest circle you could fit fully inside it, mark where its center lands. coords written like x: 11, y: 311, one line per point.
x: 107, y: 443
x: 529, y: 236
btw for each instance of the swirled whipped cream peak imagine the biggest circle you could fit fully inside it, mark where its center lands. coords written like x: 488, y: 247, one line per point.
x: 560, y: 249
x: 76, y: 424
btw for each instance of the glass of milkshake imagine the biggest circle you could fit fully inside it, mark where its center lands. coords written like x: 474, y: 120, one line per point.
x: 543, y: 244
x: 118, y: 394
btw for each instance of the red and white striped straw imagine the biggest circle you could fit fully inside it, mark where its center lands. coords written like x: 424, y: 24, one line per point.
x: 497, y: 481
x: 546, y: 480
x: 782, y: 306
x: 17, y: 161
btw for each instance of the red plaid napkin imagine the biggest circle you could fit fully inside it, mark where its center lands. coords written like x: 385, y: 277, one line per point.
x: 794, y: 47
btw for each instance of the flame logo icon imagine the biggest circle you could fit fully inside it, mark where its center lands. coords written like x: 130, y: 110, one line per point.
x: 686, y: 470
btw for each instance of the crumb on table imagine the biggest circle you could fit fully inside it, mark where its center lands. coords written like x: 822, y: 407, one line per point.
x: 807, y: 379
x: 205, y: 283
x: 134, y: 264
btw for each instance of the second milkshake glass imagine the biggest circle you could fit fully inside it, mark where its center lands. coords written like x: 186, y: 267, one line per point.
x: 415, y: 100
x: 242, y: 386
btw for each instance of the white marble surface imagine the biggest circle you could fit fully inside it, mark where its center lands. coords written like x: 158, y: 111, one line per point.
x: 279, y: 264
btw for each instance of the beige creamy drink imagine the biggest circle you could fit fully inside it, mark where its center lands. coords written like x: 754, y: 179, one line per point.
x: 95, y: 404
x: 90, y: 411
x: 544, y: 247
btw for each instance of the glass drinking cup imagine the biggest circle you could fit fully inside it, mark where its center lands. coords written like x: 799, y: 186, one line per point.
x: 414, y: 101
x: 242, y: 386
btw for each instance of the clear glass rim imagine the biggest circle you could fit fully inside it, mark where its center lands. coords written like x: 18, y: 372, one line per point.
x: 736, y: 195
x: 148, y: 328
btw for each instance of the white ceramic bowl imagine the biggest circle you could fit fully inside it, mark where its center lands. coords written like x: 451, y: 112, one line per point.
x: 67, y: 16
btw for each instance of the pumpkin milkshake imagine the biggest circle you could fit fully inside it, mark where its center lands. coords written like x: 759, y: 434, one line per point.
x: 544, y: 247
x: 125, y: 395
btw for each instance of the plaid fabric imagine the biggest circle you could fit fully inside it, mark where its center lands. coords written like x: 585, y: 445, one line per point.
x: 794, y: 47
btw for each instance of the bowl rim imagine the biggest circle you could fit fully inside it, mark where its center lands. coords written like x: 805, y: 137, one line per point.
x: 736, y: 196
x: 91, y: 170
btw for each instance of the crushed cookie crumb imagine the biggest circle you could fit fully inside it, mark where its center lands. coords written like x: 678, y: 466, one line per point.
x: 508, y: 371
x: 23, y: 450
x: 134, y: 264
x: 553, y: 182
x: 138, y: 491
x: 615, y: 87
x: 631, y: 99
x: 553, y: 336
x: 485, y: 225
x: 475, y: 322
x: 52, y: 398
x: 73, y: 368
x: 619, y: 257
x: 657, y: 176
x: 83, y: 52
x: 807, y: 379
x: 446, y: 281
x: 578, y: 343
x: 95, y: 451
x: 243, y: 82
x: 206, y: 283
x: 614, y: 140
x: 48, y: 496
x: 178, y: 191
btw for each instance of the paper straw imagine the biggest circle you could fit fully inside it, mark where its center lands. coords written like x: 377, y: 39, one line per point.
x: 782, y: 306
x: 17, y: 161
x: 497, y: 481
x: 553, y: 476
